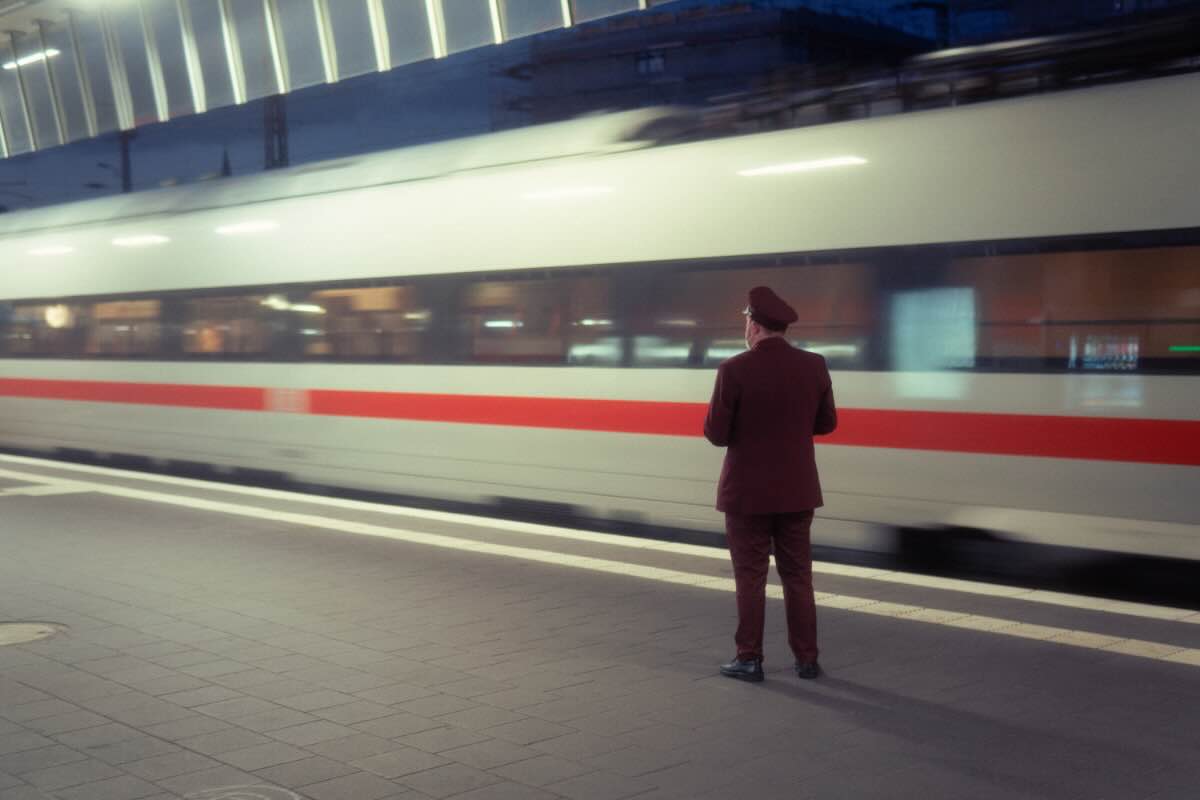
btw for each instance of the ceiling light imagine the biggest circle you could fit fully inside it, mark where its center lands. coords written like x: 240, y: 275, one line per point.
x: 32, y: 58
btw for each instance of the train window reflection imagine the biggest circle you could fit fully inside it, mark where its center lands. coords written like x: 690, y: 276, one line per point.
x: 695, y: 319
x: 368, y: 323
x: 44, y: 329
x: 125, y: 328
x: 1110, y: 311
x: 540, y: 321
x: 235, y: 326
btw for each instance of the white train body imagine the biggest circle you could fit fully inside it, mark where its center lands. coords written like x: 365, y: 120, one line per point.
x: 1097, y: 162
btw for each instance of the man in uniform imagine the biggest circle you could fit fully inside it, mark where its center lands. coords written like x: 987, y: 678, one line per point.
x: 767, y: 404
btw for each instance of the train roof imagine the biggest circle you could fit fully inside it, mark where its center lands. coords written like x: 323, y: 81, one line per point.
x: 1101, y: 160
x: 588, y: 135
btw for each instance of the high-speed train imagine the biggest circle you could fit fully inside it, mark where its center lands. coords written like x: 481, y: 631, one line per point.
x: 1007, y: 294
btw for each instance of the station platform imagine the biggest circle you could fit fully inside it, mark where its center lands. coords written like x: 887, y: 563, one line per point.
x: 220, y: 642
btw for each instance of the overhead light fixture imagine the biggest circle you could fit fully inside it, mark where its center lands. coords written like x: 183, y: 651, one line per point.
x: 307, y: 308
x: 32, y: 58
x: 254, y: 226
x: 145, y: 240
x: 568, y: 191
x: 51, y: 250
x: 802, y: 166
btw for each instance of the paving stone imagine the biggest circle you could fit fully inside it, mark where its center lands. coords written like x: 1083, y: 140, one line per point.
x: 169, y: 765
x: 38, y: 709
x: 191, y: 698
x: 187, y: 727
x: 350, y: 748
x: 397, y: 725
x: 65, y: 723
x: 482, y: 716
x: 358, y: 711
x: 132, y: 749
x: 600, y: 786
x: 355, y: 786
x: 489, y: 753
x: 214, y: 668
x: 263, y: 755
x: 577, y: 746
x: 634, y: 761
x: 273, y: 720
x: 436, y: 705
x: 310, y: 733
x: 445, y: 738
x: 39, y: 758
x: 528, y: 731
x: 542, y: 770
x: 22, y: 740
x: 223, y: 741
x: 396, y: 693
x: 399, y: 762
x: 23, y: 793
x: 506, y: 790
x: 124, y: 787
x: 238, y: 707
x: 449, y: 780
x: 168, y: 685
x: 72, y: 774
x: 208, y: 779
x: 314, y: 769
x: 310, y: 701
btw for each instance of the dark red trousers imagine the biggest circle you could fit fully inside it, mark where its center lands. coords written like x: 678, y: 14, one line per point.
x: 750, y: 538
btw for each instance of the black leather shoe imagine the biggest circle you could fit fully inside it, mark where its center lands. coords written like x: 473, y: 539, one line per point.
x: 748, y: 670
x: 808, y: 670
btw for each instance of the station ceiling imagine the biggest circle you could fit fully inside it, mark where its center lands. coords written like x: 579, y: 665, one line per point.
x: 74, y: 69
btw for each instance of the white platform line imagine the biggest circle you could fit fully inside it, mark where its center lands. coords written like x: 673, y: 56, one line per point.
x: 1022, y: 593
x: 1005, y: 627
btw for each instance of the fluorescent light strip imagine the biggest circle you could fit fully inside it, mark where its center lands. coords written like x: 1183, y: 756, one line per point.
x: 32, y: 59
x: 802, y: 166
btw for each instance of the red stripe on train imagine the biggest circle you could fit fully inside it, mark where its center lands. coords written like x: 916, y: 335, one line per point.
x: 236, y: 398
x: 1149, y: 441
x: 613, y: 416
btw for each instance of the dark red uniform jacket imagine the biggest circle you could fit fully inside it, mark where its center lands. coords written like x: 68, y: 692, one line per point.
x: 766, y: 406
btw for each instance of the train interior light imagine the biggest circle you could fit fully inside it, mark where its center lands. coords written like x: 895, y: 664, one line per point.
x: 802, y: 166
x: 142, y: 240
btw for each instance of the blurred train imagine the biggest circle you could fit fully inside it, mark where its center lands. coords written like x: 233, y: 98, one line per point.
x: 1008, y: 295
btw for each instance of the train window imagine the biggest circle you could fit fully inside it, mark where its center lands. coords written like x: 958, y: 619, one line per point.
x: 125, y: 328
x: 695, y: 318
x: 234, y: 326
x: 45, y: 329
x: 539, y: 321
x: 370, y: 323
x: 1110, y: 310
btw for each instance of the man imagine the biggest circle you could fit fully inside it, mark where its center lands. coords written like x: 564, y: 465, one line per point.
x: 767, y: 404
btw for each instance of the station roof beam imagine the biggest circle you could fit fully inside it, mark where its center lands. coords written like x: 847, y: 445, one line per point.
x: 74, y: 69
